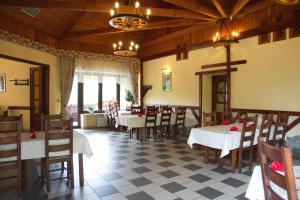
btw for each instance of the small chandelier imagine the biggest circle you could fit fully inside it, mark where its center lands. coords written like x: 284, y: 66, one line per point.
x: 126, y: 48
x: 220, y: 40
x: 129, y: 21
x: 288, y: 2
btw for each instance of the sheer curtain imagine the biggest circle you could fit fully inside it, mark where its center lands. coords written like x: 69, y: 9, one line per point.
x: 117, y: 72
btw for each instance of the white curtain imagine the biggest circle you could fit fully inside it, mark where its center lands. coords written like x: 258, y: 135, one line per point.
x: 93, y: 67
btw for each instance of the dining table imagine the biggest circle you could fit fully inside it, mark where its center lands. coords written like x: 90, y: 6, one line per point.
x: 138, y: 121
x: 222, y: 138
x: 34, y: 148
x: 255, y: 189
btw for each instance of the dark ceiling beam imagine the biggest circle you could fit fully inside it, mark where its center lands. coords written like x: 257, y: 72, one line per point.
x: 79, y: 5
x: 195, y: 6
x: 239, y: 5
x: 259, y: 5
x: 151, y: 26
x: 220, y: 8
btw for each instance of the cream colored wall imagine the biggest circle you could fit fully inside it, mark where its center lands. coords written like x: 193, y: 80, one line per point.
x: 12, y: 49
x: 16, y: 95
x: 269, y: 80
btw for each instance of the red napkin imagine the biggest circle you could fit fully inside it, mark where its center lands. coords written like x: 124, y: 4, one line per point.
x: 234, y: 128
x: 276, y: 166
x: 225, y: 122
x: 242, y: 121
x: 141, y: 114
x: 66, y: 128
x: 32, y: 134
x: 250, y: 126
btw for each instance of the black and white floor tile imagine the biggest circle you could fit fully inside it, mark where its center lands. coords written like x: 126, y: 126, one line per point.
x: 122, y: 168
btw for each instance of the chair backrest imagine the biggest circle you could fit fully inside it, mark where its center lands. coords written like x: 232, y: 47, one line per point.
x: 54, y: 121
x: 151, y: 116
x: 241, y: 115
x: 180, y: 115
x: 248, y: 131
x: 226, y: 116
x: 209, y: 119
x: 10, y: 134
x: 266, y: 125
x: 165, y: 119
x: 136, y: 109
x: 269, y: 153
x: 161, y: 107
x: 59, y: 141
x: 280, y: 128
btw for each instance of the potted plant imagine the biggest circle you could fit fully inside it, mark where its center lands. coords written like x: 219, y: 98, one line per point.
x: 128, y: 98
x: 91, y: 109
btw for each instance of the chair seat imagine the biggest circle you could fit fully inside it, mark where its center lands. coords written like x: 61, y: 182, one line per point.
x: 59, y: 159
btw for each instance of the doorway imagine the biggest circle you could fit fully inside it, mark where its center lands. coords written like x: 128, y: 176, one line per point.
x: 219, y: 95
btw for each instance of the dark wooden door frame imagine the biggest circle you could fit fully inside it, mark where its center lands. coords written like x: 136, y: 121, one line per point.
x: 214, y: 91
x: 45, y: 75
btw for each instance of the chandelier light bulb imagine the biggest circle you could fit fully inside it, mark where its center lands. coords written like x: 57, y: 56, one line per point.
x: 115, y: 45
x: 137, y: 4
x: 130, y: 48
x: 136, y: 46
x: 234, y: 34
x: 217, y: 34
x: 148, y: 12
x: 131, y: 43
x: 112, y: 12
x: 120, y: 43
x: 117, y: 5
x: 214, y: 38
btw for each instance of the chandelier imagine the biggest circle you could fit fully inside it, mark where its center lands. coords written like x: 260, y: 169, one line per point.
x: 129, y: 21
x: 288, y: 2
x: 219, y: 39
x: 125, y: 48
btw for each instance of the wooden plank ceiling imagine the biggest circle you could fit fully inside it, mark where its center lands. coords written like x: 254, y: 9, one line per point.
x: 83, y: 24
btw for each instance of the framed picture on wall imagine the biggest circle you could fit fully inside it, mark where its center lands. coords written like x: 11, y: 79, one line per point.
x: 167, y: 81
x: 2, y: 83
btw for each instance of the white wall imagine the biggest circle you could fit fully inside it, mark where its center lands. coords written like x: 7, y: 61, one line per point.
x: 269, y: 80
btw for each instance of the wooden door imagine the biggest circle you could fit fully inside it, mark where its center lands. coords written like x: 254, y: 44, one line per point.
x: 36, y: 97
x: 219, y: 95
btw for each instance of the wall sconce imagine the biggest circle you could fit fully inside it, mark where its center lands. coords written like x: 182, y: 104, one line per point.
x: 164, y: 69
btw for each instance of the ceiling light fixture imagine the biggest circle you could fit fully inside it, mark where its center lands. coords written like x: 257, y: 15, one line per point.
x: 219, y: 39
x: 128, y: 21
x: 125, y: 48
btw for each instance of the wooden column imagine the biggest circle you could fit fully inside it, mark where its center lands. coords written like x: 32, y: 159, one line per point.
x: 118, y: 93
x: 200, y: 100
x: 80, y: 101
x: 228, y: 59
x: 100, y: 100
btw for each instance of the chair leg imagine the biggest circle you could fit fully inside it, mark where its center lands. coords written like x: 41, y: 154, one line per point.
x: 47, y: 176
x: 250, y: 158
x: 62, y: 166
x: 71, y: 172
x: 240, y: 160
x: 19, y: 181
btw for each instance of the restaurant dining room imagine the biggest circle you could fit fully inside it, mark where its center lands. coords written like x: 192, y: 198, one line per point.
x: 149, y: 100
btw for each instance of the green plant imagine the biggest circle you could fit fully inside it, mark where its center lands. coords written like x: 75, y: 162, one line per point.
x: 90, y: 108
x: 128, y: 96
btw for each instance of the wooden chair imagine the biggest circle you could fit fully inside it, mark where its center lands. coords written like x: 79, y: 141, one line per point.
x: 269, y: 153
x: 136, y: 109
x: 165, y: 122
x: 10, y: 158
x: 58, y: 153
x: 209, y: 119
x: 265, y: 129
x: 241, y: 115
x: 227, y: 116
x: 151, y: 108
x: 247, y: 139
x: 179, y: 121
x: 150, y: 124
x: 280, y: 129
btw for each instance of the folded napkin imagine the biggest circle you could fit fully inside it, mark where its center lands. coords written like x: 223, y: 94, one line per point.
x: 65, y: 128
x: 32, y: 134
x: 276, y: 166
x: 225, y: 123
x: 242, y: 121
x: 234, y: 128
x: 250, y: 126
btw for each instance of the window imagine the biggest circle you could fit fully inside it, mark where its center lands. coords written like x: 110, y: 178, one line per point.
x: 109, y: 88
x: 90, y: 92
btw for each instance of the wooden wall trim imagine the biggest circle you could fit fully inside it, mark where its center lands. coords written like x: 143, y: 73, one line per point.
x: 259, y: 111
x: 18, y: 107
x: 21, y: 60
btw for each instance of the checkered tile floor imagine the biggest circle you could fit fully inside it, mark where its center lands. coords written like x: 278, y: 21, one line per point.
x: 122, y: 168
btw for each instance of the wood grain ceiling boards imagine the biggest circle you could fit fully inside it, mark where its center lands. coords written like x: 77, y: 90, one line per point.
x: 84, y: 23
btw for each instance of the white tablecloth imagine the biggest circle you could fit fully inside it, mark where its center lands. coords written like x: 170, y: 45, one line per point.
x: 35, y: 148
x: 136, y: 121
x: 220, y: 137
x: 124, y: 112
x: 255, y: 189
